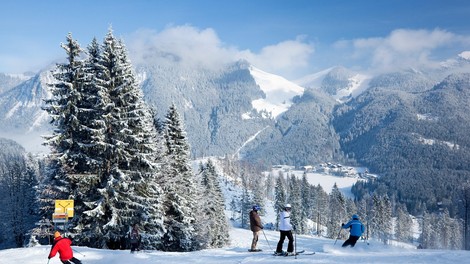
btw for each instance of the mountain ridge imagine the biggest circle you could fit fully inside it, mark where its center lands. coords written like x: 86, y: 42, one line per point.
x: 407, y: 126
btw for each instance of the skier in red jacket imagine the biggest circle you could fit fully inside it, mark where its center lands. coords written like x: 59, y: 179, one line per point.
x: 62, y: 245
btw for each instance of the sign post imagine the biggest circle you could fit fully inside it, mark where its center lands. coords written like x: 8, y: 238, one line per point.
x: 63, y: 211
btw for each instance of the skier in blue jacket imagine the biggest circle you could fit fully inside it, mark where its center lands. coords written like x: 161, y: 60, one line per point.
x: 356, y: 228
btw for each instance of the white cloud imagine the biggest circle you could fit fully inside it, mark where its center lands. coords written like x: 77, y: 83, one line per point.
x: 193, y: 46
x: 287, y: 56
x: 402, y: 48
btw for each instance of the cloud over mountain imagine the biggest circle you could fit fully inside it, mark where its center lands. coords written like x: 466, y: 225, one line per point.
x: 403, y: 48
x: 203, y: 47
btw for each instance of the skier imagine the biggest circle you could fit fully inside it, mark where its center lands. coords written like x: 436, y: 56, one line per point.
x: 256, y: 226
x: 356, y: 228
x: 134, y: 238
x: 62, y: 245
x: 285, y: 227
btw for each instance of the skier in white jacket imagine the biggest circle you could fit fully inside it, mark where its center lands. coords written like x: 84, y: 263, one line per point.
x: 285, y: 227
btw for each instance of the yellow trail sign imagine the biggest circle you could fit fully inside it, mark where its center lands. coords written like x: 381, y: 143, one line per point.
x: 64, y: 207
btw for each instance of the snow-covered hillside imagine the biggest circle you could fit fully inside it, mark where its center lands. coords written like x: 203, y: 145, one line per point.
x: 279, y: 92
x: 326, y: 251
x: 352, y: 86
x: 328, y: 175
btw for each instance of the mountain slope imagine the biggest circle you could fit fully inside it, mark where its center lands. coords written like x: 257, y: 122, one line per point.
x: 278, y: 92
x: 418, y: 142
x: 302, y: 135
x: 340, y: 83
x: 21, y: 116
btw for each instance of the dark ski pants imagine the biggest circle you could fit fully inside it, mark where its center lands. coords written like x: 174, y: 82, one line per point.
x: 72, y: 260
x: 135, y: 246
x: 351, y: 241
x: 290, y: 246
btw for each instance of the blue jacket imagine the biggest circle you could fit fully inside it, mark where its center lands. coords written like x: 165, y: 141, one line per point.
x: 357, y: 228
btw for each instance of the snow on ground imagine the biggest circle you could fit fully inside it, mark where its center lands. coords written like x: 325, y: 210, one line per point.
x: 279, y: 92
x: 237, y: 252
x: 326, y: 252
x: 327, y: 180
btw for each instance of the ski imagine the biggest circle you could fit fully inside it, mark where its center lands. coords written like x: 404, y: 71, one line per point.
x: 287, y: 254
x: 255, y: 250
x: 308, y: 253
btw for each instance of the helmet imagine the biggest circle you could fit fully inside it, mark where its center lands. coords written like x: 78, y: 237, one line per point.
x: 256, y: 207
x: 355, y: 217
x: 287, y: 206
x: 56, y: 234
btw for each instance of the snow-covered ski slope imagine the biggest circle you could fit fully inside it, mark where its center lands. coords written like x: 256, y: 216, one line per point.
x: 326, y: 252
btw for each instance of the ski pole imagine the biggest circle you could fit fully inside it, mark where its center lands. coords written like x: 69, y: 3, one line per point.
x: 295, y: 244
x: 78, y: 252
x: 338, y: 235
x: 270, y: 248
x: 48, y: 261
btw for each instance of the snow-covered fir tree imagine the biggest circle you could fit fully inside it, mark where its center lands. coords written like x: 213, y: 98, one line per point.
x: 319, y: 200
x: 439, y: 231
x: 93, y: 100
x: 381, y: 218
x: 64, y: 107
x: 180, y: 188
x: 213, y: 207
x: 64, y: 160
x: 280, y: 194
x: 306, y: 204
x: 270, y: 183
x: 246, y: 200
x: 295, y: 200
x: 336, y: 211
x: 106, y: 163
x: 130, y: 192
x: 18, y: 177
x: 259, y: 196
x: 404, y: 225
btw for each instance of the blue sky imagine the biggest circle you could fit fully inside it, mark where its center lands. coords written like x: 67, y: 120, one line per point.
x: 290, y: 38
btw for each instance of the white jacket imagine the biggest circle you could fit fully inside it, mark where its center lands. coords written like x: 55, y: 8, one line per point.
x: 284, y: 221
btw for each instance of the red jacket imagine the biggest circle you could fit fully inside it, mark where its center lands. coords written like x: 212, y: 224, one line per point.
x: 62, y: 245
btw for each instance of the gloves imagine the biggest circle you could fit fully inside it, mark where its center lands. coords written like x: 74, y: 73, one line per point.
x: 342, y: 224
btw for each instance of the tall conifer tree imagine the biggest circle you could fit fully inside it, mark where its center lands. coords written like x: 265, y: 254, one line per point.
x: 105, y: 146
x: 280, y: 196
x: 213, y: 207
x: 337, y: 211
x: 63, y: 108
x: 179, y: 188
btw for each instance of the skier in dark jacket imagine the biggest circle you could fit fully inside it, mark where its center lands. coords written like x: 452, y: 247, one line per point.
x: 256, y: 226
x: 356, y: 228
x: 134, y: 238
x: 62, y: 245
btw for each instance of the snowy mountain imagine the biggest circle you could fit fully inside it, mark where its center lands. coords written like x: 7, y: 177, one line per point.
x: 8, y: 81
x: 339, y: 82
x: 21, y: 116
x: 335, y: 115
x: 278, y: 91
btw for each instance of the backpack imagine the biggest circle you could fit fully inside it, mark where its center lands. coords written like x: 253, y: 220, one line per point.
x: 134, y: 237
